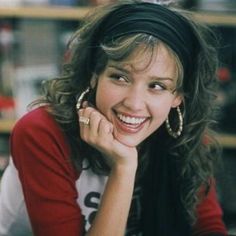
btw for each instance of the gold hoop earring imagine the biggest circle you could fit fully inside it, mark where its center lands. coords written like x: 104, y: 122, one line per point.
x: 81, y: 97
x: 175, y: 134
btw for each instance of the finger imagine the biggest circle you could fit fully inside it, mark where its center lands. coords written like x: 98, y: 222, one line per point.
x: 83, y: 118
x: 90, y: 132
x: 95, y: 118
x: 84, y: 114
x: 105, y: 128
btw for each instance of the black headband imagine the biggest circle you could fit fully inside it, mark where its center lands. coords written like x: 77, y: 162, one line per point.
x: 169, y: 26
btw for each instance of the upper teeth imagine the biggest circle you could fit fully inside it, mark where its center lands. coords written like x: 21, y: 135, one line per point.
x: 130, y: 120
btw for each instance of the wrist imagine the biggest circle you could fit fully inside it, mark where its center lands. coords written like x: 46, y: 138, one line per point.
x: 124, y: 170
x: 121, y: 163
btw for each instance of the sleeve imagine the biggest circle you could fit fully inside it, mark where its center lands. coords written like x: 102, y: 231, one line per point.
x: 209, y: 216
x: 41, y: 156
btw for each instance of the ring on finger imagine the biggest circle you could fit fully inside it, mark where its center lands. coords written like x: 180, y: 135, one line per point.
x: 84, y: 120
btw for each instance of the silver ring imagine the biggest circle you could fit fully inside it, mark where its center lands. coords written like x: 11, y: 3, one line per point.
x: 84, y: 120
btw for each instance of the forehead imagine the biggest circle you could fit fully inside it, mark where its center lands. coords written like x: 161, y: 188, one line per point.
x: 145, y: 59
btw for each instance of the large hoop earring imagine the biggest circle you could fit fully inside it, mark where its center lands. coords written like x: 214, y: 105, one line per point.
x: 81, y: 97
x: 175, y: 134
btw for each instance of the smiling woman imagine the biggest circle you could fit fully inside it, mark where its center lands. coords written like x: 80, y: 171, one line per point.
x: 116, y: 146
x: 150, y: 73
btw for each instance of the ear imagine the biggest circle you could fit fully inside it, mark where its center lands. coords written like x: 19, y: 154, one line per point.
x: 177, y: 100
x: 93, y: 81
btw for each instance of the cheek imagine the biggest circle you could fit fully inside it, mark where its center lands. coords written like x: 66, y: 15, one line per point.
x: 162, y: 104
x: 159, y: 111
x: 105, y: 98
x: 160, y: 116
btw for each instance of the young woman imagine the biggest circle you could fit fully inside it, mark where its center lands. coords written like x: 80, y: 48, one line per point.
x: 121, y: 143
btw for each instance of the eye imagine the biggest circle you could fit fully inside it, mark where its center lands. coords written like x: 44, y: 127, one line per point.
x: 119, y: 78
x: 157, y: 86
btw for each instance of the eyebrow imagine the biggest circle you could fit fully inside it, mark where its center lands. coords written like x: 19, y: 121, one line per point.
x: 117, y: 67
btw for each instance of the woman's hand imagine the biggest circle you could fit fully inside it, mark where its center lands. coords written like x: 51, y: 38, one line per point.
x: 116, y: 199
x: 99, y: 134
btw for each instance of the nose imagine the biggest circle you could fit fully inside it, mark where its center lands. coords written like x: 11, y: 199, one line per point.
x: 134, y: 99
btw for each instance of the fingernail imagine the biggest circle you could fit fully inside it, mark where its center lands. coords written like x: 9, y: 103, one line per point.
x: 84, y: 104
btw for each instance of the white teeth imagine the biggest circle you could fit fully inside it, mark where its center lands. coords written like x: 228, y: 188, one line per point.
x: 130, y: 120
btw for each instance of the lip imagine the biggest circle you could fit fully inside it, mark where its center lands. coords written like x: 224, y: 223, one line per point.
x: 129, y: 128
x: 129, y: 115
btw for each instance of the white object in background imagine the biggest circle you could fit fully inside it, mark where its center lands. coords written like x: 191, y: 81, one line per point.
x: 11, y: 3
x: 28, y: 84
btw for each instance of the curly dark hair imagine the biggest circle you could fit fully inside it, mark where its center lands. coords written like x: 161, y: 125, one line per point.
x: 189, y: 159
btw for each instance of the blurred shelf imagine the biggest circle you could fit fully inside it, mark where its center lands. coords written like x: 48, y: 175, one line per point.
x: 6, y: 125
x: 77, y: 13
x: 216, y: 18
x: 50, y: 12
x: 227, y: 140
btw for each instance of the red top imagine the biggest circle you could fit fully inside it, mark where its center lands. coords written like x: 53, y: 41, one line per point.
x: 41, y: 155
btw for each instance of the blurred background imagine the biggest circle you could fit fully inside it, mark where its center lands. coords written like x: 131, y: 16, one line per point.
x: 33, y: 38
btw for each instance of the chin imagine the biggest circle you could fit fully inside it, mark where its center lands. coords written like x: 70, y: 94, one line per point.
x: 128, y: 140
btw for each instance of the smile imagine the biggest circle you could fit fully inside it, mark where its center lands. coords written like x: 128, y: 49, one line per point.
x: 130, y: 120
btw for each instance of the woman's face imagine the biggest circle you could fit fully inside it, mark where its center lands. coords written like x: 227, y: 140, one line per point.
x: 136, y: 95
